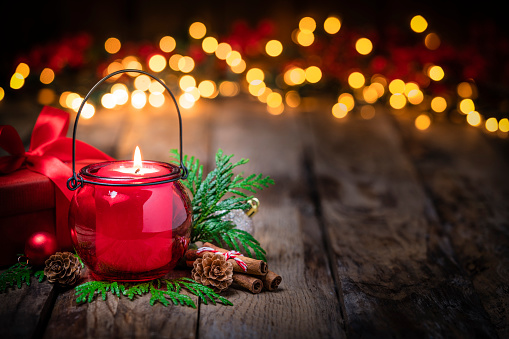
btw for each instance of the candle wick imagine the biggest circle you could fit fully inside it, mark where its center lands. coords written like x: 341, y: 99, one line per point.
x: 137, y: 170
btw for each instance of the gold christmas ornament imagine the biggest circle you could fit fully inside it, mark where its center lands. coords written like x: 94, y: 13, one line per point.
x: 63, y: 268
x: 214, y: 271
x: 255, y: 203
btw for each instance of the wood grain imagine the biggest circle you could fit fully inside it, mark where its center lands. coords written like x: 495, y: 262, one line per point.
x: 120, y: 318
x: 305, y: 305
x: 467, y: 180
x: 397, y: 269
x: 24, y: 311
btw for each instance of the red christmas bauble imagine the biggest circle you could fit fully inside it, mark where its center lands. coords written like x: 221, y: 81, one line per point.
x: 39, y: 247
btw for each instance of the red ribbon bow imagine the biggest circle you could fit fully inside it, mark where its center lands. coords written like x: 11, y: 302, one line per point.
x: 48, y: 152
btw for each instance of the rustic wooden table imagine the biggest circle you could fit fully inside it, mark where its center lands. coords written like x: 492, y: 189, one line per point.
x: 378, y: 229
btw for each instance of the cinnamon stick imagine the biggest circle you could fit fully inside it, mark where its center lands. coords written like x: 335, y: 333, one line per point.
x: 253, y: 284
x: 271, y: 281
x: 254, y: 266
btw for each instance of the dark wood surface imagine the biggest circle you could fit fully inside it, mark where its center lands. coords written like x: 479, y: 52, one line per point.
x: 378, y: 230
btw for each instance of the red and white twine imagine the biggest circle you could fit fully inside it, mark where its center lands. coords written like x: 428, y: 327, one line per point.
x: 228, y: 255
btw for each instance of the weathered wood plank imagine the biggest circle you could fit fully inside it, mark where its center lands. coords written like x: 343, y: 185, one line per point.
x: 396, y: 267
x: 305, y: 305
x: 24, y: 311
x: 119, y: 318
x: 467, y: 180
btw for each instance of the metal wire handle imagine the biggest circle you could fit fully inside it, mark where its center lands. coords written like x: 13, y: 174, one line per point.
x: 76, y: 181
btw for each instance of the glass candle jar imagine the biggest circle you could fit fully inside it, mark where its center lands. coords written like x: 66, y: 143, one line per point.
x: 129, y: 220
x: 135, y: 231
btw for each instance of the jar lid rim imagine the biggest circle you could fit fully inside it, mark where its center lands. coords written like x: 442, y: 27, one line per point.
x: 88, y: 174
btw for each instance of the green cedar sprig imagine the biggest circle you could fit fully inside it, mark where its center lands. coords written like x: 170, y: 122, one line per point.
x: 218, y: 193
x: 88, y: 291
x: 18, y: 274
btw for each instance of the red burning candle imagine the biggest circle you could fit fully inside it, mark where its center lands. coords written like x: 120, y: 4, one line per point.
x: 130, y: 220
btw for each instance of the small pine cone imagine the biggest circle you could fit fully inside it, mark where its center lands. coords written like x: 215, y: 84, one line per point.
x: 214, y: 271
x: 63, y: 268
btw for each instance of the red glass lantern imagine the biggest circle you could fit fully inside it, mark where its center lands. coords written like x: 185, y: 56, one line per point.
x: 129, y: 220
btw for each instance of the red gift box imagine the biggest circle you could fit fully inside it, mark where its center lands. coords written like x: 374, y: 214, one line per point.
x: 33, y: 192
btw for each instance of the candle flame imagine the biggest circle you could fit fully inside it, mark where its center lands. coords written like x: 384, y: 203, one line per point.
x: 137, y: 158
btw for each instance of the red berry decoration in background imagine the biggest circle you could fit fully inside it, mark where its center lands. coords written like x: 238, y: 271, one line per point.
x: 39, y: 247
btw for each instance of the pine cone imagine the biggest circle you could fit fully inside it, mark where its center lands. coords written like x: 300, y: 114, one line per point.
x: 214, y: 271
x: 63, y: 268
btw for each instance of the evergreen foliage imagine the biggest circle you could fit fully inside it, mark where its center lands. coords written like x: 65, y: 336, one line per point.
x: 218, y: 193
x: 88, y: 291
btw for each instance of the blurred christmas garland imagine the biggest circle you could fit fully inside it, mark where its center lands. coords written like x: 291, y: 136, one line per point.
x: 392, y: 66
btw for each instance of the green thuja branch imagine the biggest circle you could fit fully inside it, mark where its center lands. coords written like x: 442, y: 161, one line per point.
x: 216, y: 195
x: 18, y: 274
x: 88, y: 291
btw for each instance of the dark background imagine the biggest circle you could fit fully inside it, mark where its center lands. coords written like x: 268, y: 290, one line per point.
x: 26, y: 24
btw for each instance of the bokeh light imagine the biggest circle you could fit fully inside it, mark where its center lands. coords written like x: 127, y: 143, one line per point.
x: 209, y: 44
x: 197, y: 30
x: 432, y: 41
x: 17, y: 81
x: 186, y: 64
x: 47, y: 76
x: 112, y: 45
x: 229, y: 88
x: 466, y: 106
x: 436, y: 73
x: 313, y: 74
x: 255, y: 74
x: 305, y: 38
x: 364, y: 46
x: 356, y: 80
x: 397, y: 86
x: 339, y: 110
x: 491, y: 124
x: 156, y: 99
x: 347, y: 100
x: 23, y: 69
x: 167, y: 44
x: 174, y: 62
x: 307, y: 24
x: 438, y: 104
x: 2, y: 93
x: 46, y: 96
x: 207, y: 88
x: 157, y: 63
x: 274, y: 48
x: 292, y: 99
x: 108, y: 100
x: 422, y: 122
x: 186, y: 82
x: 138, y: 99
x: 418, y: 24
x: 397, y: 101
x: 503, y: 125
x: 222, y: 50
x: 474, y: 118
x: 142, y: 82
x: 464, y: 90
x: 332, y: 25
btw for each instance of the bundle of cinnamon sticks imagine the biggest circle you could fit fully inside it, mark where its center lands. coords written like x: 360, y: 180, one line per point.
x: 257, y: 277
